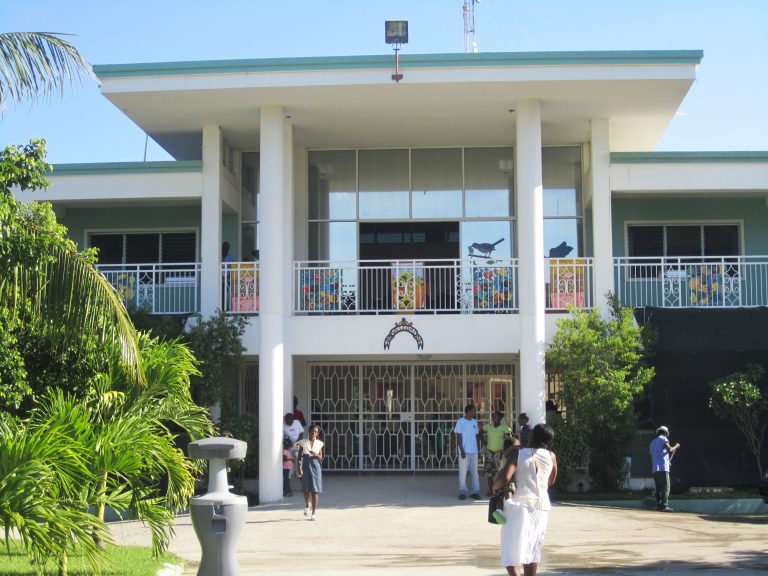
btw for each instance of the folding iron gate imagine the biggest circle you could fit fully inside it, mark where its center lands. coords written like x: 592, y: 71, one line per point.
x: 400, y: 417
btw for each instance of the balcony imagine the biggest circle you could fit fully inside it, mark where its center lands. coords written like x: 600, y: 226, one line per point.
x: 157, y: 288
x: 692, y: 282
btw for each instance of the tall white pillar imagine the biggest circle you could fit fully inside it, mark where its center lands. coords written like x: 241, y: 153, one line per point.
x: 602, y: 232
x: 273, y: 291
x: 530, y: 239
x: 210, y: 223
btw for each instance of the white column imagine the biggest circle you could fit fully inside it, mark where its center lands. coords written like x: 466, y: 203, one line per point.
x: 287, y: 243
x: 210, y: 223
x: 602, y: 232
x: 273, y: 291
x: 530, y: 238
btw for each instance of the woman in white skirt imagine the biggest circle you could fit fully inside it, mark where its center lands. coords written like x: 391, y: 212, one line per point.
x: 533, y: 469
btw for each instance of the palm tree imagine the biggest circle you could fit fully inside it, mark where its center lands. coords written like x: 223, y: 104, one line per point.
x: 37, y: 64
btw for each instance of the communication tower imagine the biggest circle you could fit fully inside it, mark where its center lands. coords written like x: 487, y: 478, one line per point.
x: 470, y: 44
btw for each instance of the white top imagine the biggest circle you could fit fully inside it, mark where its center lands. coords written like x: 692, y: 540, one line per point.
x: 534, y: 466
x: 308, y: 445
x: 293, y: 431
x: 469, y: 431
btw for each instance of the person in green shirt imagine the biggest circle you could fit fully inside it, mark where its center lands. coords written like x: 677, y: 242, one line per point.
x: 495, y: 432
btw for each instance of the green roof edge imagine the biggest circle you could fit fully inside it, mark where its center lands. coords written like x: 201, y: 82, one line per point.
x: 161, y: 167
x: 315, y: 63
x: 687, y: 157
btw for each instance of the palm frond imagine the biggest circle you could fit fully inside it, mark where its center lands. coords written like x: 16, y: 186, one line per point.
x: 38, y: 64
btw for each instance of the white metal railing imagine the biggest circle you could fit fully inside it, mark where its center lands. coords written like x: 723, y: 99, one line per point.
x: 240, y: 287
x: 168, y: 288
x: 688, y: 282
x: 569, y: 283
x: 430, y: 286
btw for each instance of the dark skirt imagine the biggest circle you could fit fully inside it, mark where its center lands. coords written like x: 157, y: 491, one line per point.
x: 312, y: 478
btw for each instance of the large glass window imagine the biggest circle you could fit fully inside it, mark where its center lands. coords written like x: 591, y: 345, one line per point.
x: 488, y: 182
x: 144, y: 247
x: 332, y: 185
x: 683, y: 240
x: 561, y: 171
x: 436, y: 183
x: 487, y: 239
x: 384, y: 184
x: 249, y: 206
x: 333, y: 241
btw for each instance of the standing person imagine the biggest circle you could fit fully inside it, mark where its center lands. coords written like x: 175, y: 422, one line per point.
x: 496, y: 431
x: 525, y: 429
x: 288, y: 461
x: 292, y: 428
x: 297, y: 413
x: 534, y: 470
x: 466, y: 437
x: 226, y: 281
x: 661, y: 459
x: 310, y: 471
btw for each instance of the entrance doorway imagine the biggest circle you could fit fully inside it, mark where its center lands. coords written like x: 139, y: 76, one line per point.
x: 400, y: 416
x: 420, y: 250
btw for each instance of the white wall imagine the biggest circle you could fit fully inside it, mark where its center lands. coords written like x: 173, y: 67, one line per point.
x: 693, y: 177
x: 107, y: 187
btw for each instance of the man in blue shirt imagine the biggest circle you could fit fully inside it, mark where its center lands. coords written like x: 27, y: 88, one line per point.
x: 466, y: 437
x: 661, y: 460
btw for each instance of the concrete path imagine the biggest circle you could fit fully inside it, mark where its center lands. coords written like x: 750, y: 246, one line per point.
x: 415, y: 525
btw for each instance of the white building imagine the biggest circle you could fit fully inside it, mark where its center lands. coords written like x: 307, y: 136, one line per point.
x: 403, y: 231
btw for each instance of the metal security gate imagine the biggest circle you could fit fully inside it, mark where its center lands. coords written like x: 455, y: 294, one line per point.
x: 400, y: 417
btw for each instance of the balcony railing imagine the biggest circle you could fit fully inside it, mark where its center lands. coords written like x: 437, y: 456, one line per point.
x: 428, y: 286
x: 692, y: 282
x: 240, y: 287
x: 157, y: 288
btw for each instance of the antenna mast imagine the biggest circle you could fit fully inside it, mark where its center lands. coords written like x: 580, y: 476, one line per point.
x: 469, y: 25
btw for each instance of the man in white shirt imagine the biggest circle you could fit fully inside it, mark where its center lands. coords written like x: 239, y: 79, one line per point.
x: 292, y: 428
x: 466, y: 430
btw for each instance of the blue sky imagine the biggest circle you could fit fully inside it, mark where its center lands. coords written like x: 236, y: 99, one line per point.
x: 726, y: 109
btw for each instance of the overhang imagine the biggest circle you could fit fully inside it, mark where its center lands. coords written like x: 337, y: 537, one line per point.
x: 443, y: 99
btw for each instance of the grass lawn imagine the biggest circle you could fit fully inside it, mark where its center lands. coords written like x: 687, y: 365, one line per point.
x: 122, y: 561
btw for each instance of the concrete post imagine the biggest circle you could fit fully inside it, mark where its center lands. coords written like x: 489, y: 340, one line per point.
x: 531, y: 283
x: 210, y: 223
x: 602, y: 232
x: 272, y: 291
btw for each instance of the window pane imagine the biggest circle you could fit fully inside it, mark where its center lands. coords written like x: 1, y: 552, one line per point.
x: 721, y: 240
x: 645, y: 241
x: 436, y: 183
x: 488, y: 181
x: 561, y: 234
x: 110, y: 247
x: 487, y: 239
x: 384, y: 184
x: 683, y: 240
x: 332, y: 185
x: 250, y: 187
x: 561, y: 171
x: 334, y: 241
x: 179, y: 247
x: 249, y: 247
x: 142, y: 248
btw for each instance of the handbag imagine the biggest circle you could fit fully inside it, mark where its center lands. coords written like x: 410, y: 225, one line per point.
x: 495, y: 503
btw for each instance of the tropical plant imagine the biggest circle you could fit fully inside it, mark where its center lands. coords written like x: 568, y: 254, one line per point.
x: 739, y: 398
x: 43, y: 467
x: 217, y: 343
x: 37, y: 64
x: 47, y: 287
x: 602, y: 369
x: 138, y: 466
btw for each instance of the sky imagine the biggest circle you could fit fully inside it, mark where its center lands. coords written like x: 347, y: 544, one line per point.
x: 725, y: 110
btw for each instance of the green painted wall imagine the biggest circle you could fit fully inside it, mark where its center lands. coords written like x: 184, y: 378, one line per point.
x: 77, y: 220
x: 753, y: 213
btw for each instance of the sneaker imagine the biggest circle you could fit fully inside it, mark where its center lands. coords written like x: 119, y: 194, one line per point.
x: 498, y: 515
x: 667, y: 509
x: 313, y: 517
x: 475, y: 496
x: 307, y: 512
x: 462, y: 496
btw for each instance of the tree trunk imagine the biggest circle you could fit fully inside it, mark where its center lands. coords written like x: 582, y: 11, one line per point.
x: 63, y: 562
x: 100, y: 507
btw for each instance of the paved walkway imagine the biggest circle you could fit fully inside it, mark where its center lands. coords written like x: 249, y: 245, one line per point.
x: 414, y: 525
